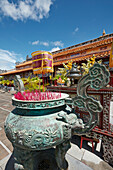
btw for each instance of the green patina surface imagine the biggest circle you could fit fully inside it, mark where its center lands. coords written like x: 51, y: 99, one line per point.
x: 36, y: 126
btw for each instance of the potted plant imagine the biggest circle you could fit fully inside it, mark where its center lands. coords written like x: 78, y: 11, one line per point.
x: 61, y: 75
x: 33, y: 84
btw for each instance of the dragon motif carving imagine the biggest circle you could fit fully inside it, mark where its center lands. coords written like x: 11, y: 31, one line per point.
x: 71, y: 119
x: 34, y: 139
x: 97, y: 78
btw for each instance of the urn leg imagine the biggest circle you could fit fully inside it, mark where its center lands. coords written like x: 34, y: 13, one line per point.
x: 60, y: 154
x: 35, y: 160
x: 23, y: 159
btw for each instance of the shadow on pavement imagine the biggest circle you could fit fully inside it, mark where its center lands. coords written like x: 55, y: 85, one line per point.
x: 10, y: 163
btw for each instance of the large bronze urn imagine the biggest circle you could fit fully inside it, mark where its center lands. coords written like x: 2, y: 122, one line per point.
x: 40, y: 131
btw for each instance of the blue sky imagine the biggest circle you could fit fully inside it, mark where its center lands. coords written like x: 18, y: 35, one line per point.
x: 30, y: 25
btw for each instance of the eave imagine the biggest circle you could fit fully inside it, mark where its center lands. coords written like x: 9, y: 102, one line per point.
x: 81, y: 48
x: 16, y: 71
x: 24, y: 64
x: 83, y: 57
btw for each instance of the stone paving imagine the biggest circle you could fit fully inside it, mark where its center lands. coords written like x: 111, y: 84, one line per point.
x: 79, y: 158
x: 5, y: 145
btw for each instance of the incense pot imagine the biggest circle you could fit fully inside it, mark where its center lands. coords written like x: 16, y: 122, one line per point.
x: 74, y: 75
x: 40, y: 131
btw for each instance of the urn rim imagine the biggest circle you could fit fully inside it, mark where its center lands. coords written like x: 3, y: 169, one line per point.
x: 63, y: 96
x: 42, y: 104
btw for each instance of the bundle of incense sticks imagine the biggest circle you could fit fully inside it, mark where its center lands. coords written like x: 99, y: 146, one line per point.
x: 37, y: 95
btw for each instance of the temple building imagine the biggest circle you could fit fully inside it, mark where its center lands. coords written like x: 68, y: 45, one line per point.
x: 100, y: 47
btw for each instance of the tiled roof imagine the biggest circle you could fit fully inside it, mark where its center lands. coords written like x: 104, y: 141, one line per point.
x: 96, y: 40
x: 84, y: 47
x: 16, y: 71
x: 83, y: 57
x: 24, y: 64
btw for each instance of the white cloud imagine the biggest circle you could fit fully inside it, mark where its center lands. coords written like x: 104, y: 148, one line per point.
x: 58, y: 43
x: 7, y: 59
x: 21, y: 59
x: 8, y: 56
x: 76, y: 30
x: 27, y: 9
x: 5, y: 65
x: 44, y: 43
x: 35, y: 42
x: 40, y: 43
x: 55, y: 49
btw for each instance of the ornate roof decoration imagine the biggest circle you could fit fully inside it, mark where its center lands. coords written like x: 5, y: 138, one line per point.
x: 84, y: 47
x: 82, y: 57
x: 104, y: 33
